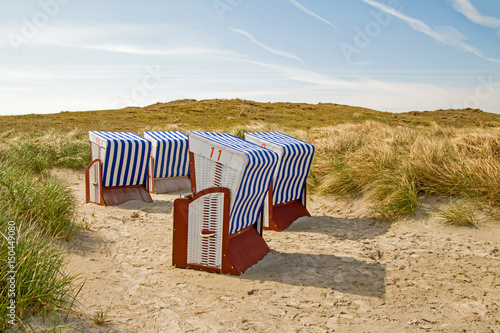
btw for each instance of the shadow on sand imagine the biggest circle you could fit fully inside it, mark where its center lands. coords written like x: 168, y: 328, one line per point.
x: 353, y: 229
x: 163, y: 206
x: 342, y: 274
x: 338, y: 273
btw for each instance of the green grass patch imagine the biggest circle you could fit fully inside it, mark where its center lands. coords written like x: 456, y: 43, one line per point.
x: 45, y: 202
x: 41, y: 285
x: 40, y: 153
x: 459, y: 214
x: 42, y: 208
x: 100, y: 316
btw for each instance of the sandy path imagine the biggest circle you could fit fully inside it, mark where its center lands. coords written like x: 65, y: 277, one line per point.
x: 336, y: 271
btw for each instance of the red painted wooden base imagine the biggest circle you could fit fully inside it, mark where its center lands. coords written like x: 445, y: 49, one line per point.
x: 283, y: 215
x: 113, y: 196
x: 169, y: 185
x: 240, y: 251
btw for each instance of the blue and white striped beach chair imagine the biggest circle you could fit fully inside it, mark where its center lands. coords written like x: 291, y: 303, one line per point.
x: 169, y: 164
x: 119, y: 168
x: 219, y: 229
x: 287, y: 199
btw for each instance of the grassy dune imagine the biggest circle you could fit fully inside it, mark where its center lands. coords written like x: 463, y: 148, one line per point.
x: 213, y: 114
x: 42, y: 210
x: 393, y: 160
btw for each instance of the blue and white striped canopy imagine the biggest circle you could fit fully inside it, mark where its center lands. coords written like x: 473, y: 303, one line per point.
x: 126, y: 158
x: 256, y: 165
x: 170, y: 152
x: 291, y: 173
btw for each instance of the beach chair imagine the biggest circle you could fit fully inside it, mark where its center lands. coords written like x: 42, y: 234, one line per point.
x: 286, y: 201
x: 169, y: 164
x: 219, y: 228
x: 119, y: 168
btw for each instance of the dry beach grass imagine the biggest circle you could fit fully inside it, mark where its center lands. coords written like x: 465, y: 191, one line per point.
x: 386, y: 249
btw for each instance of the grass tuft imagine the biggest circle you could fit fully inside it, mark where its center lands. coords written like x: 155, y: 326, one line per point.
x: 459, y: 214
x: 100, y: 316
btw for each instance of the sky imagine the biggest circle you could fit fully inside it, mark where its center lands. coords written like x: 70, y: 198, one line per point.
x: 387, y: 55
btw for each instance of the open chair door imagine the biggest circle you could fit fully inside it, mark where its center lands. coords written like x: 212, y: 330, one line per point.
x: 93, y: 183
x: 201, y: 237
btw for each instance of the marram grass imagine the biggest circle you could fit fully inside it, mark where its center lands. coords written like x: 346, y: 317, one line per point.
x: 40, y: 153
x: 47, y: 203
x: 459, y: 214
x: 41, y: 284
x: 392, y: 166
x: 42, y: 208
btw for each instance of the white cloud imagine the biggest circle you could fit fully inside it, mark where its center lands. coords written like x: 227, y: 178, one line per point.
x: 167, y: 40
x: 397, y: 94
x: 444, y: 37
x: 153, y: 51
x: 449, y: 35
x: 313, y: 14
x: 466, y: 8
x: 267, y: 48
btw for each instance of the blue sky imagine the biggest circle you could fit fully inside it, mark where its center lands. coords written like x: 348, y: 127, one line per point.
x: 389, y: 55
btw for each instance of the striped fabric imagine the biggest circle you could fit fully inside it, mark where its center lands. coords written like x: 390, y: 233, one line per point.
x: 126, y: 158
x: 254, y: 164
x: 170, y: 153
x: 290, y: 177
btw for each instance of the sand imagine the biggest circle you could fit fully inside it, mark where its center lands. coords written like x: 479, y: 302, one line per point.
x: 337, y: 271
